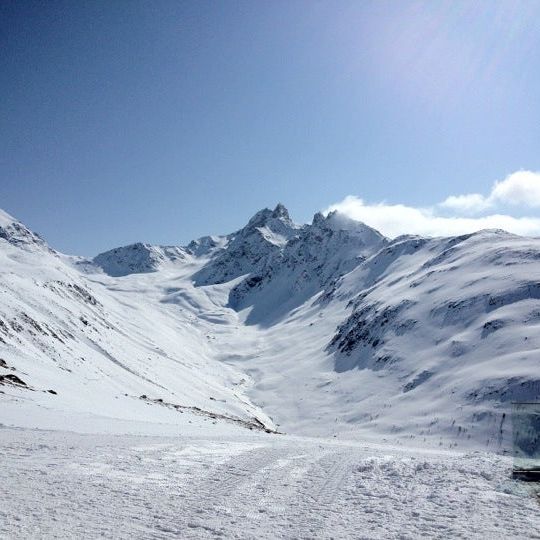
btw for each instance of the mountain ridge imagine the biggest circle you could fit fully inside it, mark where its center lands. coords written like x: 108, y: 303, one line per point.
x: 408, y: 338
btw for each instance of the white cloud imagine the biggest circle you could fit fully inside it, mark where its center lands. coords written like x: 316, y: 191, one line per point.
x: 455, y: 214
x: 468, y: 204
x: 521, y: 187
x: 396, y: 219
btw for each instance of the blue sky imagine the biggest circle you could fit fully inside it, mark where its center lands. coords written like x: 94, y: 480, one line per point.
x: 162, y: 121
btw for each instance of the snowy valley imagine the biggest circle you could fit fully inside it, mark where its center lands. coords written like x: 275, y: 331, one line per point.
x: 321, y: 362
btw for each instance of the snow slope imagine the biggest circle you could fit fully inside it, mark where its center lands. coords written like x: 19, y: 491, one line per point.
x: 457, y: 320
x: 140, y: 391
x: 325, y: 329
x: 81, y: 345
x: 70, y: 485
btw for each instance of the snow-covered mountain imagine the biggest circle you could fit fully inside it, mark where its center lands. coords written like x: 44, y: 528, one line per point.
x: 249, y: 250
x: 455, y: 319
x: 76, y: 342
x: 15, y: 233
x: 321, y: 329
x: 138, y: 258
x: 320, y: 253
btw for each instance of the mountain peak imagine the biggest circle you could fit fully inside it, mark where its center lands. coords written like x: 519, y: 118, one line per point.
x: 318, y: 219
x: 337, y: 221
x: 6, y: 219
x: 248, y: 250
x: 264, y: 216
x: 17, y: 234
x: 280, y: 212
x: 138, y: 258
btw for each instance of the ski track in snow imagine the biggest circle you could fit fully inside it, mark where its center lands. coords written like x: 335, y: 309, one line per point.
x: 325, y: 330
x: 66, y: 485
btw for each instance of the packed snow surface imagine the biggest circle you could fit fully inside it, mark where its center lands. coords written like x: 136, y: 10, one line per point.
x: 279, y: 381
x: 237, y: 486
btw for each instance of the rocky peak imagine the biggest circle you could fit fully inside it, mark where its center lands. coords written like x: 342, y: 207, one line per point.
x: 274, y: 219
x: 337, y: 221
x: 318, y: 220
x: 205, y: 245
x: 312, y: 259
x: 17, y: 234
x: 280, y: 212
x: 137, y: 258
x: 250, y: 248
x: 265, y: 230
x: 259, y: 219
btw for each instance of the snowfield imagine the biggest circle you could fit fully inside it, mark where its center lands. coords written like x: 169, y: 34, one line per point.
x: 68, y: 485
x: 282, y: 381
